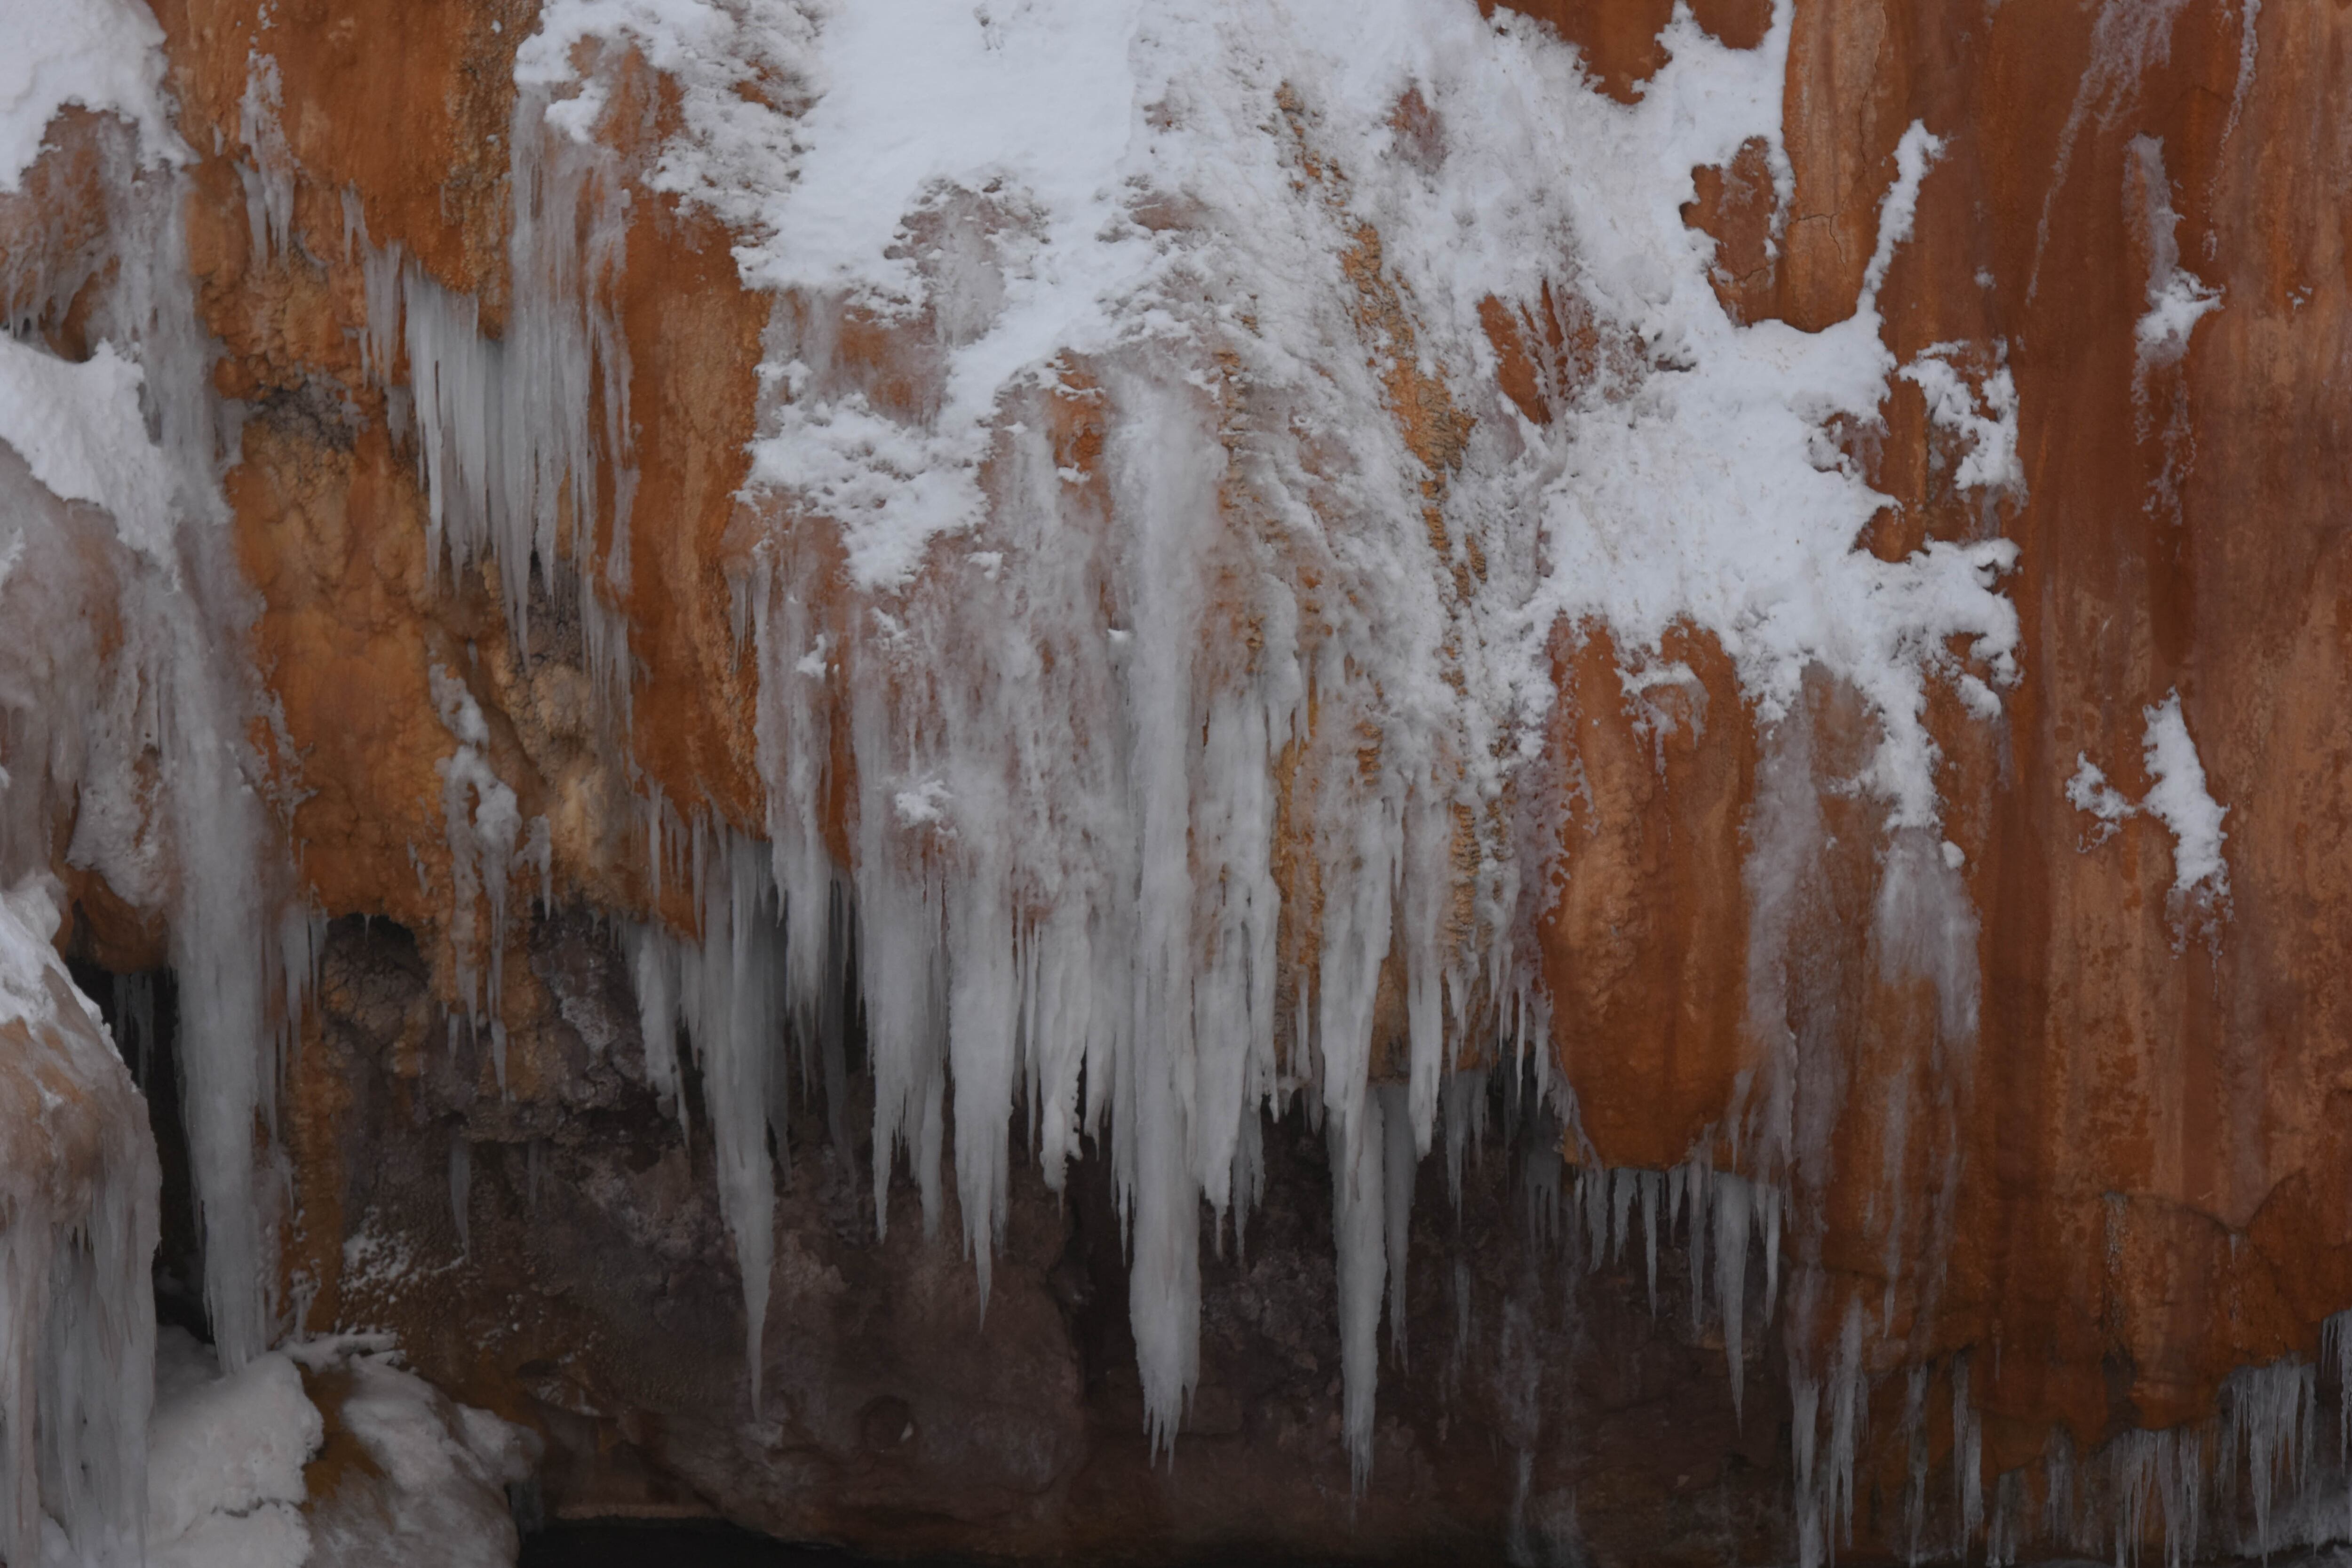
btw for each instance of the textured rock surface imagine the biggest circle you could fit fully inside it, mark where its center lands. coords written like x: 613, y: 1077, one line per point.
x: 593, y: 1297
x: 2130, y: 1176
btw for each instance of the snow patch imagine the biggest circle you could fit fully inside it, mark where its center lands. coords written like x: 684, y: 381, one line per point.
x: 2181, y: 802
x: 80, y: 428
x: 2179, y: 798
x: 226, y: 1480
x: 100, y: 53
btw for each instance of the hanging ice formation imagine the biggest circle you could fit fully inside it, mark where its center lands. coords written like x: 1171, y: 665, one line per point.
x: 1182, y: 705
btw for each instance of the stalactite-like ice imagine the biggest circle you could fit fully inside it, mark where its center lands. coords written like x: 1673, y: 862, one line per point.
x: 725, y: 985
x: 2270, y: 1412
x: 525, y: 441
x: 1080, y: 694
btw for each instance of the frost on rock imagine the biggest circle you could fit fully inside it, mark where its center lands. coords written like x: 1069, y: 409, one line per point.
x: 2177, y: 298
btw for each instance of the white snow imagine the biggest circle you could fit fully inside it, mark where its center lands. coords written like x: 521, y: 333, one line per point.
x: 2178, y: 797
x: 436, y: 1491
x: 1984, y: 414
x: 2088, y: 790
x: 226, y: 1456
x: 79, y: 428
x: 103, y: 55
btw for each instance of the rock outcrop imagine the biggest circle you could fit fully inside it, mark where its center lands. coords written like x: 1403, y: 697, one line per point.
x: 1663, y: 681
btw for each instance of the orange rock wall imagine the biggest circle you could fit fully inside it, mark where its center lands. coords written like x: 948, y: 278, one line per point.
x: 2152, y: 1174
x: 2139, y: 1163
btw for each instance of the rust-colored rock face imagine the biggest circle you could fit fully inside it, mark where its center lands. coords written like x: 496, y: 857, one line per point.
x: 2151, y: 1181
x: 2044, y: 1127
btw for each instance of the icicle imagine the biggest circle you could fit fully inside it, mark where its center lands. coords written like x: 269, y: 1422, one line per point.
x: 2269, y: 1422
x: 1915, y: 1443
x: 1804, y: 1430
x: 1697, y: 1186
x: 1824, y: 1490
x: 482, y: 820
x: 1164, y: 1301
x: 1731, y: 1231
x: 269, y: 179
x: 2336, y: 1345
x: 2058, y: 1490
x: 1466, y: 1125
x: 1399, y: 1164
x: 2165, y: 1468
x: 1849, y: 1408
x: 1358, y: 1194
x: 725, y: 986
x: 984, y: 1001
x: 1650, y: 1187
x: 653, y: 965
x: 134, y: 1005
x: 732, y: 995
x: 461, y: 1190
x: 507, y: 445
x: 1967, y: 1456
x: 1622, y: 1183
x: 2008, y: 1509
x: 1540, y: 1173
x: 1461, y: 1315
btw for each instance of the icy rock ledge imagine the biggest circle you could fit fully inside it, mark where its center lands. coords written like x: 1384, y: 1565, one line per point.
x: 325, y: 1454
x: 78, y: 1223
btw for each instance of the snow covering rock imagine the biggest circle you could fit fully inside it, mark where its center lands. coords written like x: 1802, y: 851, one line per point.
x: 324, y: 1454
x: 224, y: 1459
x: 427, y: 1482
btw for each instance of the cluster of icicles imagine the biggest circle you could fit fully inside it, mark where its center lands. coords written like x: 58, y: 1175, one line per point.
x: 1081, y: 924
